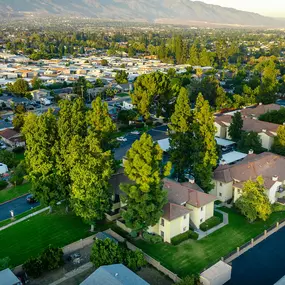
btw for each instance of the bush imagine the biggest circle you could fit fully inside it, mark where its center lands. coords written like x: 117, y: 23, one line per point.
x: 52, y: 258
x: 33, y: 267
x: 152, y: 238
x: 210, y: 223
x: 182, y: 237
x: 134, y: 234
x: 3, y: 184
x: 134, y: 260
x: 278, y: 207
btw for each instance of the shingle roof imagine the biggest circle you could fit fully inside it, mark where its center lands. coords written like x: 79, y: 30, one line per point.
x: 266, y: 164
x: 173, y: 211
x: 7, y: 277
x: 115, y: 274
x: 8, y: 133
x: 186, y: 193
x: 260, y: 109
x: 117, y: 179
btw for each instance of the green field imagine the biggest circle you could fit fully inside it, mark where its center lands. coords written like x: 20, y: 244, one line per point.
x: 194, y: 256
x: 31, y: 237
x: 14, y: 192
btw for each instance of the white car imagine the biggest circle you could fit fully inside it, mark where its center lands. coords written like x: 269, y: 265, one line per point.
x: 121, y: 139
x: 135, y: 133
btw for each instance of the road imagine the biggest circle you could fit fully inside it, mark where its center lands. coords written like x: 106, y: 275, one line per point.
x: 157, y: 133
x: 18, y: 206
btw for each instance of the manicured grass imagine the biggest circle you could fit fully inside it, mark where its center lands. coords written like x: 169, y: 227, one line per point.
x: 122, y: 95
x: 11, y: 193
x: 194, y: 256
x: 31, y: 237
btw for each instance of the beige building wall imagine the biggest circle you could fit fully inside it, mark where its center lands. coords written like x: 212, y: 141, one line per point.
x: 209, y: 210
x: 200, y: 215
x: 237, y: 193
x: 220, y: 131
x: 223, y: 191
x: 170, y: 229
x: 266, y: 140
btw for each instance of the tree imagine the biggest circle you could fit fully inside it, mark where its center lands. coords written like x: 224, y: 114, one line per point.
x: 153, y: 91
x: 104, y: 62
x: 194, y: 56
x: 19, y: 173
x: 205, y: 154
x: 20, y: 87
x: 205, y: 59
x: 250, y: 141
x: 121, y: 77
x: 254, y: 203
x: 145, y: 198
x: 90, y: 174
x: 235, y: 129
x: 181, y: 136
x: 125, y: 116
x: 276, y: 117
x: 52, y: 258
x: 8, y: 158
x: 279, y: 141
x: 189, y: 280
x: 36, y: 83
x: 80, y: 87
x: 101, y: 124
x: 18, y: 120
x: 41, y: 134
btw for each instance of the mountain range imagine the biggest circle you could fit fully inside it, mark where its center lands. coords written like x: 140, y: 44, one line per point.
x: 155, y: 11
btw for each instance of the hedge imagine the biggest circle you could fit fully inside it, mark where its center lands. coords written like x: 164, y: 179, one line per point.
x: 182, y: 237
x: 152, y: 238
x: 210, y: 223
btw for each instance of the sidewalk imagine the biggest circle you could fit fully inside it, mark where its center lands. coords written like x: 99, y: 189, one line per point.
x: 224, y: 223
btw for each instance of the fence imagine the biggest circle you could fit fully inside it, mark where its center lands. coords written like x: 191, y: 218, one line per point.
x: 253, y: 242
x: 156, y: 264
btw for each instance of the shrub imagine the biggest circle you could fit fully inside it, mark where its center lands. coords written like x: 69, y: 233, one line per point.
x: 182, y: 237
x: 157, y: 124
x: 3, y: 184
x: 152, y: 238
x: 52, y: 258
x: 278, y: 207
x: 134, y: 259
x: 134, y: 234
x: 210, y: 223
x: 33, y: 267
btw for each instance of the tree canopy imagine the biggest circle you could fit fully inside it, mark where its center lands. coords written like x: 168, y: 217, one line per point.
x: 235, y: 129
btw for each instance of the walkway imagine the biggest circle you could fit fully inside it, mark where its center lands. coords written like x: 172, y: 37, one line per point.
x: 73, y: 273
x: 224, y: 223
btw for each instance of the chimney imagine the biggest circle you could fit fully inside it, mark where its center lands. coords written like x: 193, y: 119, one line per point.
x: 260, y: 104
x: 191, y: 180
x: 116, y: 274
x: 251, y: 151
x: 275, y: 178
x: 223, y: 162
x: 264, y: 130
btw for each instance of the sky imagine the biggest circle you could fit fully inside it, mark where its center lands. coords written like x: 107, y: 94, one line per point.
x: 274, y: 8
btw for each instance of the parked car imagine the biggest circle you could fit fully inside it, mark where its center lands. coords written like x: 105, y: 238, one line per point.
x: 31, y: 199
x: 135, y: 133
x: 2, y: 145
x: 121, y: 139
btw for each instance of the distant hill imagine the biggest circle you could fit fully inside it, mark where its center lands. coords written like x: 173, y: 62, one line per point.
x: 157, y: 11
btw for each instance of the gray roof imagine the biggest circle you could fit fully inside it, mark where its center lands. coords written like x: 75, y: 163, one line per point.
x: 7, y: 277
x: 115, y: 274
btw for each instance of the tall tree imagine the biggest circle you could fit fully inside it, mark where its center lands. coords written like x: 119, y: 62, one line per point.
x: 101, y: 124
x: 205, y: 156
x: 194, y: 55
x: 41, y: 134
x: 121, y: 77
x: 279, y: 141
x: 235, y: 129
x: 181, y: 136
x: 250, y: 141
x: 145, y: 198
x: 254, y: 202
x: 36, y: 83
x: 92, y: 169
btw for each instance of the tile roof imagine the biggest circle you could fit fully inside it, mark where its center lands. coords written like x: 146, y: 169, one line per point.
x: 173, y: 211
x: 9, y: 133
x: 266, y: 164
x: 260, y: 109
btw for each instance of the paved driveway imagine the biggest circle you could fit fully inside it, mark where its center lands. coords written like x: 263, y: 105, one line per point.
x: 18, y: 206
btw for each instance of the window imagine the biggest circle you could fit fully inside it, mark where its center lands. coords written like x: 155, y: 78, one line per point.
x: 162, y: 234
x: 184, y: 217
x: 220, y: 194
x: 201, y: 208
x: 162, y: 222
x: 201, y: 220
x: 221, y: 184
x: 184, y: 229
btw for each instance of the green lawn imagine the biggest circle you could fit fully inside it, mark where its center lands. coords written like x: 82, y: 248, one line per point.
x: 122, y: 95
x: 31, y: 237
x: 194, y: 256
x: 11, y: 193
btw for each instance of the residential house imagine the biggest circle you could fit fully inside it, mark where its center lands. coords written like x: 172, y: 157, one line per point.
x: 115, y: 274
x: 187, y: 206
x: 266, y: 131
x: 41, y: 93
x: 12, y: 138
x: 259, y: 110
x: 7, y: 277
x: 229, y: 179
